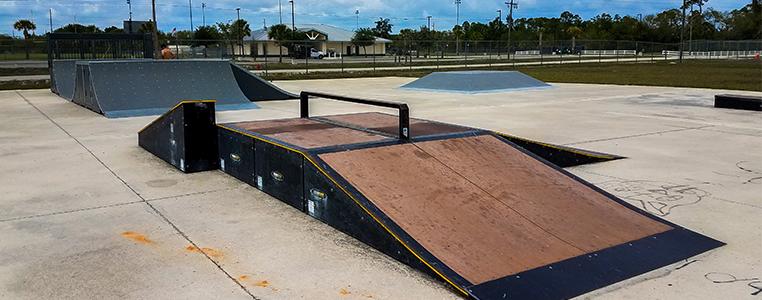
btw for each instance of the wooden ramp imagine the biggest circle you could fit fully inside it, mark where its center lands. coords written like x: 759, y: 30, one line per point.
x: 468, y: 206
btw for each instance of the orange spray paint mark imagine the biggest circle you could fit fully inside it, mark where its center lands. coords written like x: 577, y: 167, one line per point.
x: 344, y: 292
x: 211, y: 252
x: 243, y: 277
x: 263, y: 283
x: 137, y: 237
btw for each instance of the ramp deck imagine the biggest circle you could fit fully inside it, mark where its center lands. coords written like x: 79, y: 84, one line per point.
x: 465, y: 205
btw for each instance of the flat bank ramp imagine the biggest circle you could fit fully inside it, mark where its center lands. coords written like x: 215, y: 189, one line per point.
x: 491, y: 213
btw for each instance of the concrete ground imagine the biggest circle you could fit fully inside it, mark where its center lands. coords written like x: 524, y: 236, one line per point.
x: 85, y: 213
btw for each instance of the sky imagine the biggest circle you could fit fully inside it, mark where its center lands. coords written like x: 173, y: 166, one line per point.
x: 402, y: 13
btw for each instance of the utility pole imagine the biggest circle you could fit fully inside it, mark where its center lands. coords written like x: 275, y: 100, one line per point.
x: 429, y: 22
x: 357, y: 19
x: 511, y: 5
x: 129, y: 7
x: 155, y: 32
x: 190, y: 10
x: 500, y: 15
x: 50, y: 14
x: 203, y: 13
x: 682, y: 32
x: 280, y: 12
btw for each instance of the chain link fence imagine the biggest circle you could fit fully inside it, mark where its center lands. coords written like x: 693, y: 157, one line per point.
x: 305, y: 56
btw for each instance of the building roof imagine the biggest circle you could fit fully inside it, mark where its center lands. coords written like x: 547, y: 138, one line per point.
x: 332, y: 33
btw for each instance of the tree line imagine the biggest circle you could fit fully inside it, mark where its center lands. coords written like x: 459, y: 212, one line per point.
x: 702, y: 23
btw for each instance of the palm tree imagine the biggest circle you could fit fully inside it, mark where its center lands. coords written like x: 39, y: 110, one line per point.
x: 25, y: 26
x: 280, y: 33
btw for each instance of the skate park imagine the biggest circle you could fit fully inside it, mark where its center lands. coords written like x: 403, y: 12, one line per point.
x: 684, y: 161
x: 570, y: 157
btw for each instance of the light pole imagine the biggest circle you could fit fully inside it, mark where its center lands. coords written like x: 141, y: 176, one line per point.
x: 203, y: 13
x: 293, y: 24
x: 682, y: 32
x: 293, y: 30
x: 428, y: 18
x: 238, y: 30
x: 500, y: 15
x: 129, y: 7
x: 357, y: 19
x: 457, y: 23
x: 280, y: 12
x: 190, y: 11
x: 154, y: 31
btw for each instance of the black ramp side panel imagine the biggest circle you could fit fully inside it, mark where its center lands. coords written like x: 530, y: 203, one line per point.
x: 583, y: 274
x: 258, y: 89
x: 561, y: 156
x: 62, y: 78
x: 280, y: 173
x: 136, y: 88
x: 237, y: 155
x: 185, y: 137
x: 474, y: 82
x: 738, y: 102
x: 200, y: 135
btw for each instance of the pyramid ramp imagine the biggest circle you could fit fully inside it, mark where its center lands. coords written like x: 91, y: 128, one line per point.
x: 464, y: 205
x: 475, y: 82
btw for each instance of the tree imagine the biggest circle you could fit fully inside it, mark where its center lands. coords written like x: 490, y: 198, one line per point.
x: 25, y: 26
x: 383, y: 28
x: 78, y: 28
x: 206, y: 35
x: 364, y: 37
x: 234, y: 31
x: 281, y: 34
x: 113, y: 29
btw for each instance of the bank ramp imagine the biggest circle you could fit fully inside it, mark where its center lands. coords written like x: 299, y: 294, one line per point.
x: 126, y: 88
x: 465, y: 205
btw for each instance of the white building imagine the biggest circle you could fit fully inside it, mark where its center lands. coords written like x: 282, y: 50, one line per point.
x: 327, y: 38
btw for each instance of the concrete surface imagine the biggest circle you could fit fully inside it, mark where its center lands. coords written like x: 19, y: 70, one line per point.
x: 85, y: 213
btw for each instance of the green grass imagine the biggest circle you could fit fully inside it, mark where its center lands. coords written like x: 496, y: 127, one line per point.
x: 24, y: 84
x: 23, y: 71
x: 725, y: 74
x: 22, y: 56
x: 732, y: 75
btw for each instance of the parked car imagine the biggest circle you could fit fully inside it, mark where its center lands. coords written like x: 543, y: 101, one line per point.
x: 316, y: 54
x: 301, y: 52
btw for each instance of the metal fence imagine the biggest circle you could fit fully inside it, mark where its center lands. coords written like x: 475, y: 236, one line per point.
x: 305, y: 56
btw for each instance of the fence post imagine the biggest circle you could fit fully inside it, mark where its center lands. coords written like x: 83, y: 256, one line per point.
x: 489, y: 57
x: 374, y: 57
x: 306, y: 58
x: 341, y: 52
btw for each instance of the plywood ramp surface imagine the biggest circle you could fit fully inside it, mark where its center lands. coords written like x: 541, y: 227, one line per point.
x: 308, y: 133
x: 486, y: 209
x: 390, y: 124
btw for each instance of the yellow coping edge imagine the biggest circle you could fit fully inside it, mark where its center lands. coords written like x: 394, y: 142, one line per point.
x: 556, y: 147
x: 307, y: 157
x: 173, y: 108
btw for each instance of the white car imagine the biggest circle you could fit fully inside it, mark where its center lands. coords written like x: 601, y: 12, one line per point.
x: 315, y: 54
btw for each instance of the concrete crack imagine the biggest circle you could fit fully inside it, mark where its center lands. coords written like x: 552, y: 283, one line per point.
x: 143, y: 200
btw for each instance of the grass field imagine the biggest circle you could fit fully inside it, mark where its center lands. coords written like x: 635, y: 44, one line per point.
x: 724, y: 74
